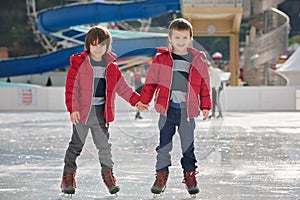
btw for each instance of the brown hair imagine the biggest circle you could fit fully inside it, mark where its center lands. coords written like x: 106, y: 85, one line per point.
x: 98, y: 34
x: 180, y: 24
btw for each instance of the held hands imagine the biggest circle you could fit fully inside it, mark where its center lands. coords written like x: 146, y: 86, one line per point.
x: 205, y: 114
x: 75, y: 117
x: 141, y: 107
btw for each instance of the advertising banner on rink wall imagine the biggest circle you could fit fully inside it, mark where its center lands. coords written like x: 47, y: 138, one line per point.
x: 26, y: 96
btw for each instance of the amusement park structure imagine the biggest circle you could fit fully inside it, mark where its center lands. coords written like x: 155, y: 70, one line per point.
x: 62, y: 34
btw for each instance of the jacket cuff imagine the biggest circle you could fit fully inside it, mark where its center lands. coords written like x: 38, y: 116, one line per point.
x: 134, y: 99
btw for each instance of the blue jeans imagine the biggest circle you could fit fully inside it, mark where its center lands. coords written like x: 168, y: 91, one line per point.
x: 167, y: 126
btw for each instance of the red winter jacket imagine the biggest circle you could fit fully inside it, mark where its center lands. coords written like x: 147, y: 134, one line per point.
x: 159, y: 80
x: 80, y: 83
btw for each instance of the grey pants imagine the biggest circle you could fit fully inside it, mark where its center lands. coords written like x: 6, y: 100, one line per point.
x: 96, y: 124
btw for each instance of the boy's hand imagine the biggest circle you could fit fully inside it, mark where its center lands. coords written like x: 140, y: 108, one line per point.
x: 141, y: 107
x: 75, y: 117
x: 205, y: 114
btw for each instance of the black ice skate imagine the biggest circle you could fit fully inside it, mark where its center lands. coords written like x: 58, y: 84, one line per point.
x: 68, y: 184
x: 138, y: 115
x: 191, y: 183
x: 110, y: 182
x: 160, y: 182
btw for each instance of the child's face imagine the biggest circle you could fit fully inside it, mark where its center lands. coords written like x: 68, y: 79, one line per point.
x: 97, y: 50
x: 180, y: 41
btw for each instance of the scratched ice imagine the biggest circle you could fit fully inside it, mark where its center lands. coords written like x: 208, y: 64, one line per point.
x: 251, y: 156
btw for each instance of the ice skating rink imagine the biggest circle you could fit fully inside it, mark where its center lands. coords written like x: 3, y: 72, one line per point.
x: 245, y: 156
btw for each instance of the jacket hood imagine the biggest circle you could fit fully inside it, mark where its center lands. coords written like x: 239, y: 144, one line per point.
x: 79, y: 58
x: 193, y: 51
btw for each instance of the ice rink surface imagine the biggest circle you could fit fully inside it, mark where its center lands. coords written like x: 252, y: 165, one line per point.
x: 245, y: 156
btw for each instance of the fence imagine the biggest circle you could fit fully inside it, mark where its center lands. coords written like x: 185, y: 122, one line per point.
x: 232, y: 99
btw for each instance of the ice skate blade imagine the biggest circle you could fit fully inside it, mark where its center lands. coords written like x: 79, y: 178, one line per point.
x: 157, y: 196
x: 67, y: 196
x: 193, y: 196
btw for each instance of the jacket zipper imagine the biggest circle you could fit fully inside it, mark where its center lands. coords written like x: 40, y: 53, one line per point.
x: 105, y: 103
x: 92, y: 89
x: 188, y: 92
x: 168, y: 101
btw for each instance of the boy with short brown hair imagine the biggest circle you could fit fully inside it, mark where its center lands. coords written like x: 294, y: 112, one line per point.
x: 178, y: 76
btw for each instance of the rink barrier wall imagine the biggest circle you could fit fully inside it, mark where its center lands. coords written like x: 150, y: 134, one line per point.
x: 298, y: 99
x: 232, y: 99
x: 273, y: 98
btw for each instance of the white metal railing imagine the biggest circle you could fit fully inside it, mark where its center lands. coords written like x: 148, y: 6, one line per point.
x: 269, y: 46
x: 246, y: 8
x: 47, y: 44
x: 259, y: 6
x: 211, y: 3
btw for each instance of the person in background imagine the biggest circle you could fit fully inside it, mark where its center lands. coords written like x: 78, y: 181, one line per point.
x: 217, y: 57
x: 216, y: 88
x: 93, y: 80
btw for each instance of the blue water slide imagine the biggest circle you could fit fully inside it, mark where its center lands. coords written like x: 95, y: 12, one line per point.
x: 60, y: 58
x: 125, y: 44
x: 59, y: 18
x: 36, y: 64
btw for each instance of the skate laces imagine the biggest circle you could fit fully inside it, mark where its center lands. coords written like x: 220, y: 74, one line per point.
x: 69, y: 179
x: 161, y: 179
x: 109, y: 179
x: 190, y: 179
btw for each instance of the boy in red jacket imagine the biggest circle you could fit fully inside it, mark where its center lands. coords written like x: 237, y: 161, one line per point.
x: 93, y: 81
x: 179, y: 78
